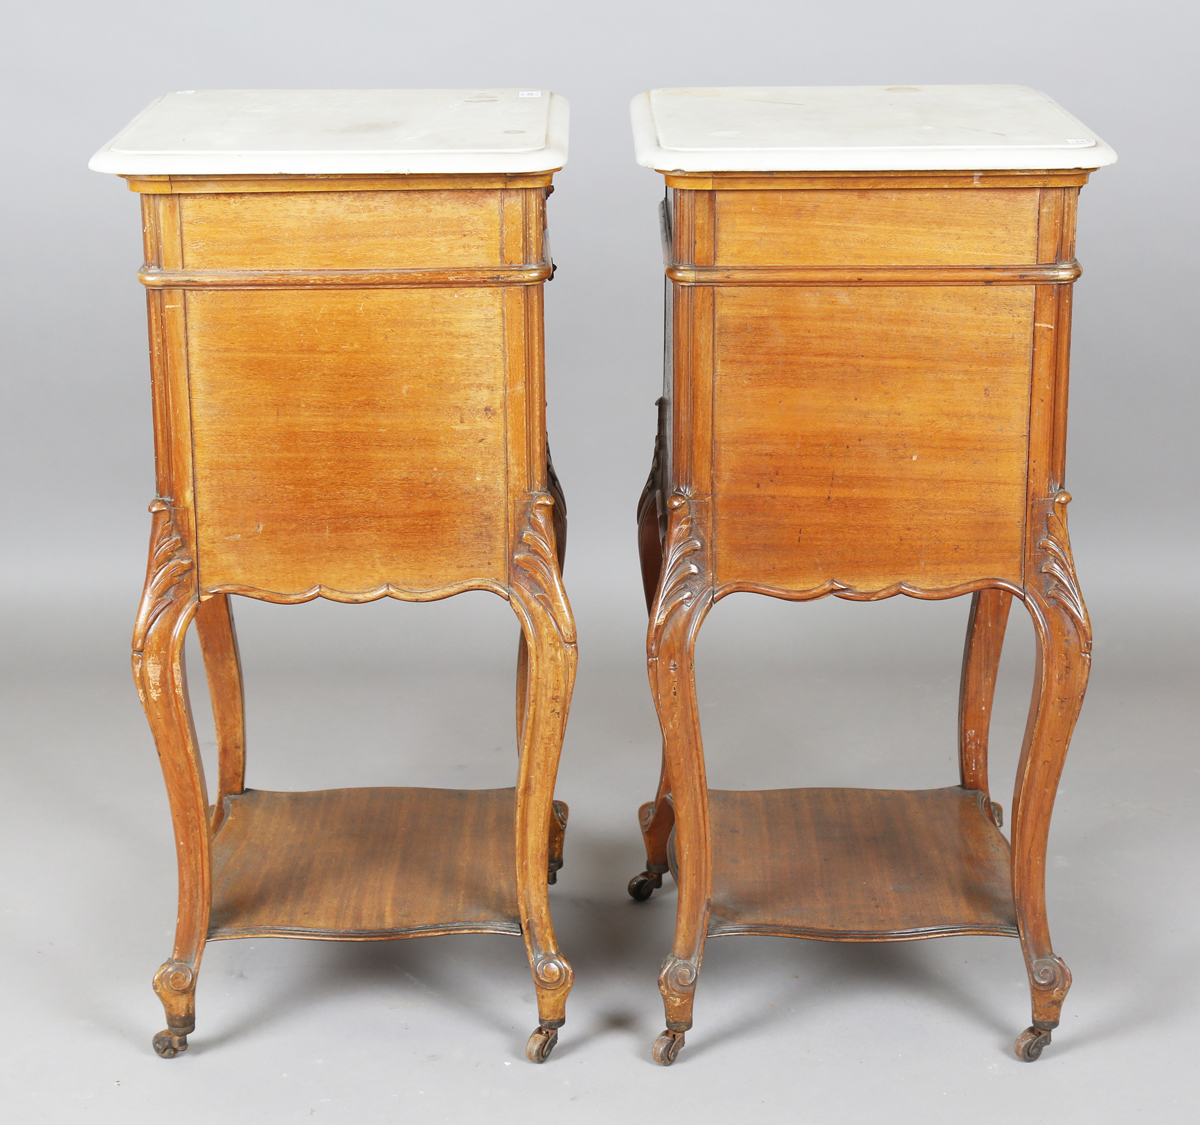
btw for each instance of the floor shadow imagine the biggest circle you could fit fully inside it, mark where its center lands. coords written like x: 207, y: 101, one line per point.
x: 477, y: 978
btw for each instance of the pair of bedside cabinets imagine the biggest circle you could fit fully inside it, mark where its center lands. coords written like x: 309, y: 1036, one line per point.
x: 869, y: 299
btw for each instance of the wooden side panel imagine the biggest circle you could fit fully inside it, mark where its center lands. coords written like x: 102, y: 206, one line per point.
x: 877, y: 228
x: 348, y: 439
x: 871, y: 436
x: 342, y: 230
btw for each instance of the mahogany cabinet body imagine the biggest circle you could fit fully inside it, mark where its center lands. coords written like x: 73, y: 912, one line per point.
x: 349, y: 404
x: 866, y: 395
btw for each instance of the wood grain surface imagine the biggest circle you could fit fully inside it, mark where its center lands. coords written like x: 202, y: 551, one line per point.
x: 870, y: 436
x: 365, y: 863
x: 349, y: 403
x: 857, y: 864
x: 866, y: 395
x: 876, y: 228
x: 348, y: 439
x: 342, y: 230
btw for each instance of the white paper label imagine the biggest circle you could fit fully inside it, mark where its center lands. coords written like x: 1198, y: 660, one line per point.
x: 529, y: 93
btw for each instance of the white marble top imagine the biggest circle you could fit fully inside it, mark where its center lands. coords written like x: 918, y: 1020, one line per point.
x: 332, y: 132
x: 858, y: 128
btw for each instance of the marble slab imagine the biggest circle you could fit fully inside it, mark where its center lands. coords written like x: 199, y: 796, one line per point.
x: 859, y: 128
x: 340, y: 132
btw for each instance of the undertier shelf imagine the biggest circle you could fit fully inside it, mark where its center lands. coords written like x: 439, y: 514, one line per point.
x: 366, y: 863
x: 858, y: 864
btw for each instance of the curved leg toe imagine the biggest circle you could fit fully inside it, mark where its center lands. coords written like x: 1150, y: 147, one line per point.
x: 642, y: 886
x: 168, y: 1043
x: 666, y: 1047
x: 541, y: 1043
x: 1031, y: 1042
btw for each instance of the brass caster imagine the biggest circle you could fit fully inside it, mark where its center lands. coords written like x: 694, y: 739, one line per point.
x: 1030, y: 1042
x: 666, y: 1047
x: 168, y: 1044
x: 541, y: 1043
x: 642, y: 886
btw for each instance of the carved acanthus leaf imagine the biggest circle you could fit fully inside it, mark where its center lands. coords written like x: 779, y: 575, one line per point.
x: 1056, y: 564
x: 682, y: 578
x: 169, y: 563
x: 535, y: 565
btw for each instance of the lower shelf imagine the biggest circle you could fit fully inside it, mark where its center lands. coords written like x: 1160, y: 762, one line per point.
x: 858, y: 864
x: 366, y: 863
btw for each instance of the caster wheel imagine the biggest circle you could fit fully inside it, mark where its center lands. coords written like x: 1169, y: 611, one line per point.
x: 642, y: 886
x: 540, y: 1044
x: 666, y: 1047
x: 1030, y: 1042
x: 167, y: 1044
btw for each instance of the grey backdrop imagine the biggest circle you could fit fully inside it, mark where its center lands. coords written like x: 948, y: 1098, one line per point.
x: 830, y: 693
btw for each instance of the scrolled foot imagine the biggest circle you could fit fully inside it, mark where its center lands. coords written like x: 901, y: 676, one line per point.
x: 541, y: 1043
x: 666, y: 1047
x: 1030, y: 1043
x: 168, y: 1044
x: 643, y: 885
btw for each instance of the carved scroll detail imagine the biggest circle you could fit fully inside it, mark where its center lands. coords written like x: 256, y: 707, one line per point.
x: 551, y: 970
x: 678, y: 975
x: 646, y: 815
x: 1056, y: 563
x: 169, y: 563
x: 989, y: 808
x: 535, y: 565
x: 175, y: 976
x: 681, y: 579
x: 1050, y: 974
x: 175, y: 985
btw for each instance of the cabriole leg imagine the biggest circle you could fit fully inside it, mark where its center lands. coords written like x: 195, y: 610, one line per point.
x: 168, y: 605
x: 1063, y: 660
x: 222, y: 665
x: 651, y: 516
x: 559, y: 522
x: 558, y: 822
x: 558, y: 836
x: 981, y: 662
x: 680, y: 606
x: 655, y: 818
x: 540, y: 602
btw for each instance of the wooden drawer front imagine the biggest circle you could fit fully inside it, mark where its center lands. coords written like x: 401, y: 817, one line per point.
x: 348, y: 439
x: 871, y: 435
x: 341, y: 230
x: 877, y: 228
